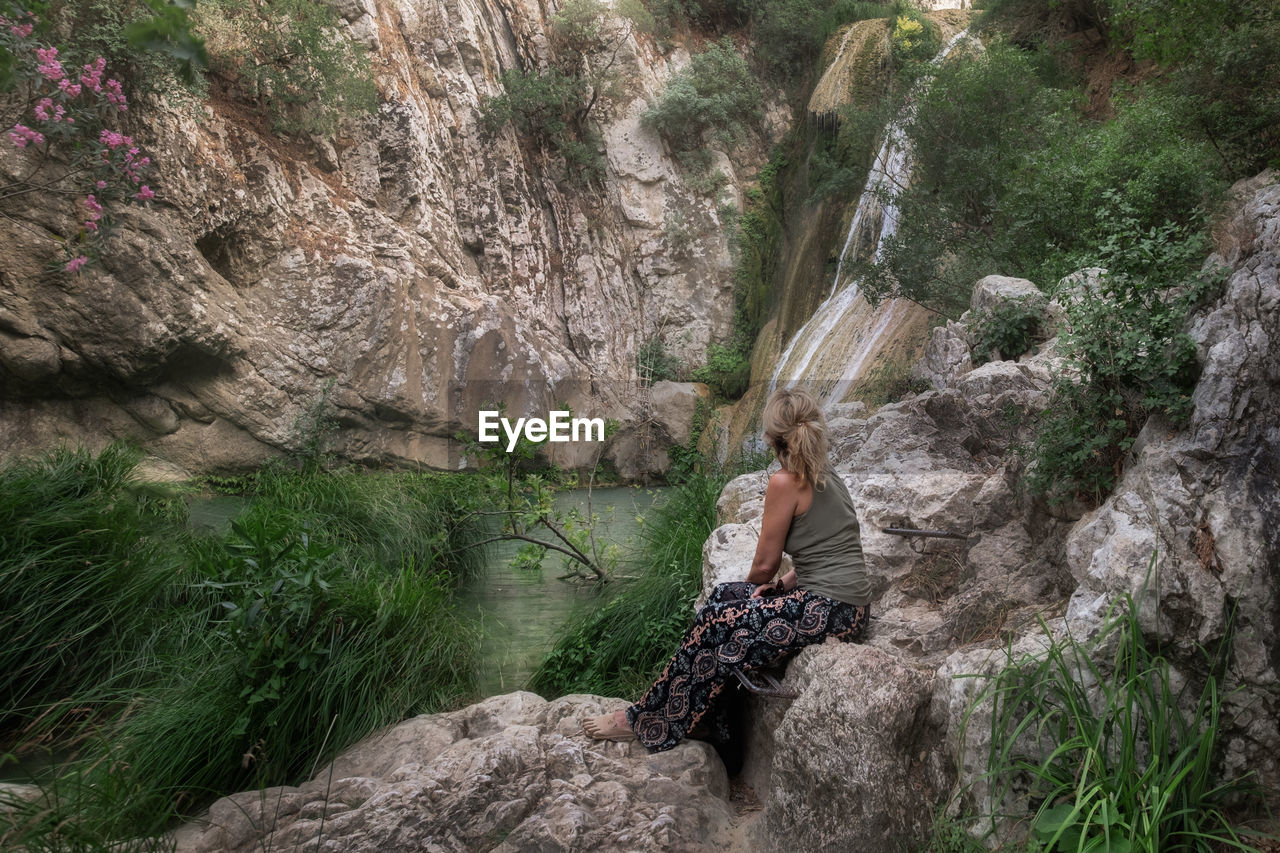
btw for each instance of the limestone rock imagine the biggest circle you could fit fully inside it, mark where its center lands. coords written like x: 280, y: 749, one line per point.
x: 994, y: 290
x: 742, y: 499
x: 858, y: 758
x: 402, y: 273
x: 675, y: 405
x: 1189, y: 532
x: 947, y: 354
x: 511, y: 773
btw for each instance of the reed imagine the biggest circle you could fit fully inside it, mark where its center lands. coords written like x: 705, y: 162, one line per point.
x: 1117, y: 751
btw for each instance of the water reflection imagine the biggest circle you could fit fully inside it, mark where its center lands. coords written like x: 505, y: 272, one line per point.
x: 521, y: 612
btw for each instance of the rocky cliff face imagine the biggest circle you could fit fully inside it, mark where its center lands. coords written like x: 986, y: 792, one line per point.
x: 405, y: 273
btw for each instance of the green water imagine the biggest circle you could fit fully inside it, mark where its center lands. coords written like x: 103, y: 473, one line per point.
x: 521, y: 612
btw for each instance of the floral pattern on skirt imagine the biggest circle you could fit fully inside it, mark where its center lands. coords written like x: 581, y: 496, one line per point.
x: 734, y: 630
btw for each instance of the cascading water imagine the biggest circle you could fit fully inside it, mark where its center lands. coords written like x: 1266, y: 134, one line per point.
x: 835, y: 344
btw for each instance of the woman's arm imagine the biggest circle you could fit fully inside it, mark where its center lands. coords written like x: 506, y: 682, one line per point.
x: 780, y: 500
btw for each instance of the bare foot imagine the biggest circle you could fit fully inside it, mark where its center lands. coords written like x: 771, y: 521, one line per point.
x: 609, y: 727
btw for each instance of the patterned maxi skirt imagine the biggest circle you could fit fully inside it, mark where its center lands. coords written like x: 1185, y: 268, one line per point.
x: 734, y: 630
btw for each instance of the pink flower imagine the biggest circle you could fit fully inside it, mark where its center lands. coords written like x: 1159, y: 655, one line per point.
x: 75, y: 263
x: 49, y: 66
x: 92, y: 203
x: 92, y: 76
x: 115, y: 94
x: 72, y: 89
x: 44, y: 108
x: 21, y: 30
x: 21, y: 136
x: 111, y: 138
x: 102, y: 185
x: 90, y: 225
x: 145, y: 194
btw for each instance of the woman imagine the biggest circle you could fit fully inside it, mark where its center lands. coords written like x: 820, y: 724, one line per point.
x: 807, y: 513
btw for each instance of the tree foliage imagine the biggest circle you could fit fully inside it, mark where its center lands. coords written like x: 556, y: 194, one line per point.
x: 292, y: 58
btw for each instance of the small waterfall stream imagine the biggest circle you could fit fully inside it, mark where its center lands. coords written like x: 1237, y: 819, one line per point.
x: 832, y: 348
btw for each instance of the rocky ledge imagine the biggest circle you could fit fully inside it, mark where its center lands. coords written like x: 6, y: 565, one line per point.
x: 511, y: 773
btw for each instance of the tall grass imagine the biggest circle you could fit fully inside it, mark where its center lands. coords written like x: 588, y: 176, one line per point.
x: 378, y: 518
x: 1118, y: 754
x: 85, y: 559
x: 618, y: 648
x: 175, y: 667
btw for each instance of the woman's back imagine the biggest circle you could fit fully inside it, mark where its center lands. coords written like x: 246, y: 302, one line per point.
x: 825, y: 545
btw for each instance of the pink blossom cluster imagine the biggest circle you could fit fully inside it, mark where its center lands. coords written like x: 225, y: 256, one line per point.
x: 95, y: 213
x: 50, y: 67
x: 54, y: 113
x: 19, y: 30
x: 22, y: 136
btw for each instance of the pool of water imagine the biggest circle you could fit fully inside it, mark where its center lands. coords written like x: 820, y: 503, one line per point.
x: 521, y: 611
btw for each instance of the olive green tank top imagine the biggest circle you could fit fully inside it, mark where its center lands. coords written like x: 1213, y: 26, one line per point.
x: 826, y: 546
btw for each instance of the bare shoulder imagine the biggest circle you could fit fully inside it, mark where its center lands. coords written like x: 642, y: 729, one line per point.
x: 784, y: 482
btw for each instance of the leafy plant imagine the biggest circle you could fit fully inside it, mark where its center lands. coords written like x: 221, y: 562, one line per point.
x: 60, y: 116
x: 553, y: 105
x: 523, y: 505
x: 914, y: 38
x: 727, y: 371
x: 1129, y: 353
x: 86, y: 559
x: 177, y: 667
x: 1007, y: 330
x: 715, y: 99
x: 655, y: 363
x: 616, y: 648
x: 292, y: 58
x: 1119, y: 751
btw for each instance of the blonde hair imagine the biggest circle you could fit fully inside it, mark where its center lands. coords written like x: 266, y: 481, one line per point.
x: 794, y: 425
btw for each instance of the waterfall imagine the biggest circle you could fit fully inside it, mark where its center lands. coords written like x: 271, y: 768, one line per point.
x: 835, y: 343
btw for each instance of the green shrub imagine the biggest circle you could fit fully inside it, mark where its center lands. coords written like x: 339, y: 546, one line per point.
x: 727, y: 371
x: 655, y: 363
x: 86, y: 29
x: 1129, y: 352
x: 758, y: 248
x: 1007, y: 330
x: 914, y: 38
x: 715, y: 99
x: 291, y: 58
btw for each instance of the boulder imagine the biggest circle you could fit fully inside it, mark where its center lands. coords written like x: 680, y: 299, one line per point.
x: 509, y: 774
x: 991, y: 291
x: 675, y: 406
x: 854, y: 759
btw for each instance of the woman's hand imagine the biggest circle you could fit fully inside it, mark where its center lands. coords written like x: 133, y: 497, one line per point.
x: 765, y: 590
x: 777, y: 586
